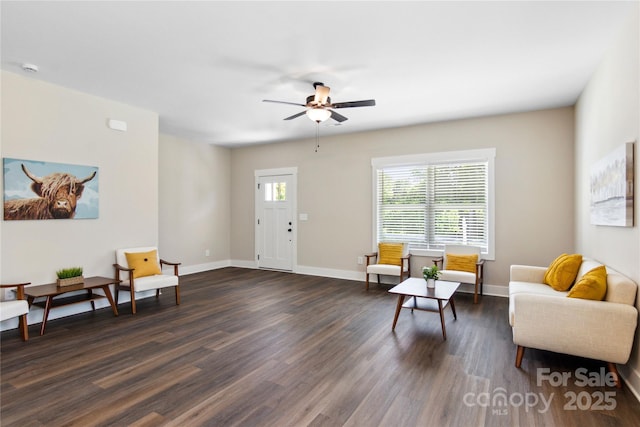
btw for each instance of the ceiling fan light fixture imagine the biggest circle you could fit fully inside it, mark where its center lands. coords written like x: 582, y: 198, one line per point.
x: 319, y: 107
x: 318, y: 114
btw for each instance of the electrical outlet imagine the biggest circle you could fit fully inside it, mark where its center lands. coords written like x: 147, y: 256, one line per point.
x: 207, y: 252
x: 9, y: 295
x: 360, y: 260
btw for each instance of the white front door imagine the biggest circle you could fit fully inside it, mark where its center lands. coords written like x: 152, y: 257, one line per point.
x: 275, y: 221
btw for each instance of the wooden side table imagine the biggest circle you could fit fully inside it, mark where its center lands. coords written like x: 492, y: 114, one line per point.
x: 51, y: 290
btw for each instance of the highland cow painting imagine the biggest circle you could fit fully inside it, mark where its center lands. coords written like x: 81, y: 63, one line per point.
x: 46, y: 190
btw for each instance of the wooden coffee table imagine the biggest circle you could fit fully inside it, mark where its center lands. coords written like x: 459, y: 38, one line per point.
x: 51, y: 290
x: 426, y: 299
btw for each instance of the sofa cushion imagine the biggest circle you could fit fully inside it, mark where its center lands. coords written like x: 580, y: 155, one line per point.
x: 154, y: 282
x: 385, y: 269
x: 534, y: 288
x: 593, y: 285
x: 563, y: 271
x: 529, y: 288
x: 457, y: 276
x: 459, y: 262
x: 9, y: 309
x: 586, y: 266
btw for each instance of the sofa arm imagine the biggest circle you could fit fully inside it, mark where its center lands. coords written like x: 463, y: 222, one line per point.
x: 594, y: 329
x: 527, y: 273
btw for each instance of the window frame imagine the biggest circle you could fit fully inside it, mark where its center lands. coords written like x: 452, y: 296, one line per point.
x: 422, y: 159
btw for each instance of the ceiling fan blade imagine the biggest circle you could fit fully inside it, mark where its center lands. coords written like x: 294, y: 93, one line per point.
x: 366, y: 103
x: 338, y: 117
x: 284, y: 102
x: 296, y: 115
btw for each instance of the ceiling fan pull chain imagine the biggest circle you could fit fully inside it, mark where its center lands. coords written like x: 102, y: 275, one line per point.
x: 317, y: 136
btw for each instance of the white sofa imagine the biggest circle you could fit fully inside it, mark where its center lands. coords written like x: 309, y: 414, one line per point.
x: 543, y: 318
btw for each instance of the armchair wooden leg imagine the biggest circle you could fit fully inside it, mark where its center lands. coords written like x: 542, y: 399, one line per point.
x: 616, y: 376
x: 519, y: 355
x: 475, y: 293
x: 133, y: 300
x: 177, y: 295
x: 24, y: 327
x: 367, y: 281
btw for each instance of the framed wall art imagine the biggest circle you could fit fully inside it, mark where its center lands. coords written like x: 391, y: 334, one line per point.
x: 611, y: 186
x: 46, y: 190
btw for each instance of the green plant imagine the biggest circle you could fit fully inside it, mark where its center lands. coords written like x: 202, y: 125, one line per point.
x: 431, y: 272
x: 66, y: 273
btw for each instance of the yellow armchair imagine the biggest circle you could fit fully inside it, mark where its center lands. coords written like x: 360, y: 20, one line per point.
x: 392, y: 259
x: 463, y: 264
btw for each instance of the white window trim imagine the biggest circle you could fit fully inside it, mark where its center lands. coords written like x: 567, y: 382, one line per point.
x: 485, y: 154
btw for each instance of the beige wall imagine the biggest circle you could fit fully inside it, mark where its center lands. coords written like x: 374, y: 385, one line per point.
x: 41, y: 121
x: 608, y: 115
x: 534, y: 188
x: 195, y: 212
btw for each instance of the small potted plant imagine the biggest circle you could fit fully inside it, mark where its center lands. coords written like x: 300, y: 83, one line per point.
x: 69, y: 276
x: 431, y: 274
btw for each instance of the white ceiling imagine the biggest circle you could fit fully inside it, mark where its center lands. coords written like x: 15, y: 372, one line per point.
x: 205, y: 67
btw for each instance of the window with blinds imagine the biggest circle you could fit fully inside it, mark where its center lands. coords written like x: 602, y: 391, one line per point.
x: 432, y: 204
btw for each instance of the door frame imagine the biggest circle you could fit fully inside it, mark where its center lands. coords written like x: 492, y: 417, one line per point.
x: 293, y: 173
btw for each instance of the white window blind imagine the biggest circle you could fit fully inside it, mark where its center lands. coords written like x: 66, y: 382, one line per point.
x: 432, y: 204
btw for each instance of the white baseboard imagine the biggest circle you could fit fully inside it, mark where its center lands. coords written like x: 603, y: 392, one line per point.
x: 244, y: 263
x: 199, y: 268
x: 496, y: 290
x: 631, y: 379
x: 330, y: 272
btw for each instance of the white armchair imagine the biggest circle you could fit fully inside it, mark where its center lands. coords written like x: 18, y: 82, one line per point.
x: 470, y: 273
x: 143, y: 271
x: 15, y: 308
x: 392, y: 259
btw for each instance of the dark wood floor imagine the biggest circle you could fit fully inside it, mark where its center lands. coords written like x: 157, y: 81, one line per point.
x: 263, y: 348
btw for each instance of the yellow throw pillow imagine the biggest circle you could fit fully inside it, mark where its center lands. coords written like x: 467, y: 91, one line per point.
x: 593, y: 285
x: 143, y: 263
x: 563, y: 271
x: 462, y: 262
x: 390, y: 253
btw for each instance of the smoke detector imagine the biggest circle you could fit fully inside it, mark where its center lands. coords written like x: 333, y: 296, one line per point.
x: 30, y: 68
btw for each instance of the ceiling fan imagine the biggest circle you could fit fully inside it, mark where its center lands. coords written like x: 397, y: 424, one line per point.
x: 320, y: 108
